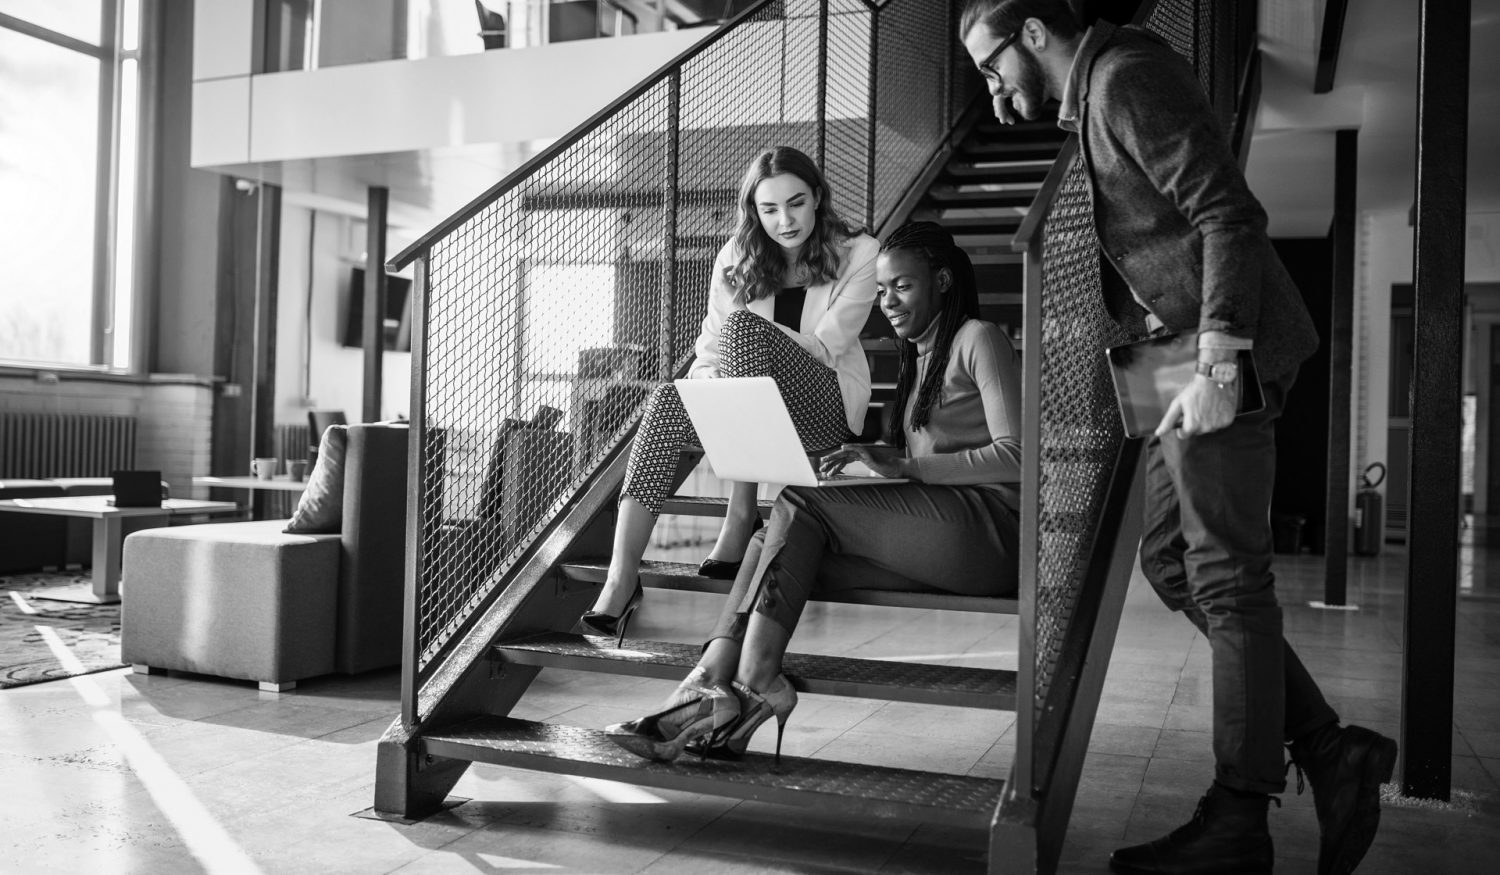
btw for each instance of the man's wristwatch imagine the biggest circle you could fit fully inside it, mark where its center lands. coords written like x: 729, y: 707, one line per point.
x: 1222, y: 373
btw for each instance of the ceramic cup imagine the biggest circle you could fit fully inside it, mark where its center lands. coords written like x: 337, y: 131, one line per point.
x: 296, y: 469
x: 264, y: 467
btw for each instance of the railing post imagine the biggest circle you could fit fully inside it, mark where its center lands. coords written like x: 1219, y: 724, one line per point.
x: 1031, y: 478
x: 670, y: 197
x: 870, y: 137
x: 823, y: 85
x: 416, y: 476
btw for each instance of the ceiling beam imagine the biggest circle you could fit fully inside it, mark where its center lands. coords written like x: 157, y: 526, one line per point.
x: 1328, y: 45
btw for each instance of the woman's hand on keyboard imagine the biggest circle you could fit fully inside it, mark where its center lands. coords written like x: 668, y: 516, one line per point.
x: 885, y: 464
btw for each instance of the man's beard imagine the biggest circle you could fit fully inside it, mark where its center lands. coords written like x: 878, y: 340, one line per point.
x: 1031, y: 86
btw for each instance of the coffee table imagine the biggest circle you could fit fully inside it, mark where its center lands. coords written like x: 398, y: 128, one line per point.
x: 109, y: 535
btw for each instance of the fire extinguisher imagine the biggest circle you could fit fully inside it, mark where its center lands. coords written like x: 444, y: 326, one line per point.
x: 1367, y: 514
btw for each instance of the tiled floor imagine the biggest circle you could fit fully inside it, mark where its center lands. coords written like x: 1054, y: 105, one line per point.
x: 151, y: 774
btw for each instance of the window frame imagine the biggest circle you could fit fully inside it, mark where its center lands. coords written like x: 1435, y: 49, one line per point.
x: 107, y: 208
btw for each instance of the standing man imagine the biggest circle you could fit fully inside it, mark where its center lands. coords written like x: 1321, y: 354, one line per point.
x: 1175, y: 219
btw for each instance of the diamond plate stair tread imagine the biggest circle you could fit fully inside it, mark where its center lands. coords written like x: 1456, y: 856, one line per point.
x: 921, y: 683
x: 703, y: 505
x: 848, y: 787
x: 684, y: 576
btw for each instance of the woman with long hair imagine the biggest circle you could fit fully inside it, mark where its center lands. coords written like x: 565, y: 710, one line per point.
x: 790, y: 292
x: 953, y: 528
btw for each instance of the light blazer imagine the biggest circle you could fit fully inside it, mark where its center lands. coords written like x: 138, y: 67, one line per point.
x: 832, y: 315
x: 1172, y: 211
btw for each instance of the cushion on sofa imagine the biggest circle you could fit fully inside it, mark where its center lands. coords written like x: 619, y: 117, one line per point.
x: 372, y: 569
x: 321, y: 508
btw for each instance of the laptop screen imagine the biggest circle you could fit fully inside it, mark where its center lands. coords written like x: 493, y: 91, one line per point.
x: 137, y: 488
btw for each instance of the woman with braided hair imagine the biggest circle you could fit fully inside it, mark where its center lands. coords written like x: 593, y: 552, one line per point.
x: 953, y: 528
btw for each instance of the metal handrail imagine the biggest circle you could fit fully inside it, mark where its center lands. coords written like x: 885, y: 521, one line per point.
x: 1247, y: 107
x: 520, y: 174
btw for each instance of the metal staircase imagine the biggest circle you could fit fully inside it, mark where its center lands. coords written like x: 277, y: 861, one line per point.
x: 577, y: 284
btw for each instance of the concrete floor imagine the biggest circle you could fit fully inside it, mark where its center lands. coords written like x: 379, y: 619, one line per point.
x: 117, y: 772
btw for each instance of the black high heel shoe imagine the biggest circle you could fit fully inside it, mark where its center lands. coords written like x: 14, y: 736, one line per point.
x: 721, y: 570
x: 600, y: 623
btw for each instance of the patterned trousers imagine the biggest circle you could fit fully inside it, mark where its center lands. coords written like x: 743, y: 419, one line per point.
x: 749, y: 346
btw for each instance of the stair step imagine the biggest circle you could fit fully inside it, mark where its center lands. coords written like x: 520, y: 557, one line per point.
x: 1003, y: 173
x: 684, y: 576
x: 703, y: 505
x: 1008, y: 150
x: 978, y: 198
x: 919, y: 683
x: 997, y: 258
x: 852, y: 788
x: 1005, y: 223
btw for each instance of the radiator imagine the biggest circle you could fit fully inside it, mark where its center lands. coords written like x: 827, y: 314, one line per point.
x: 291, y: 441
x: 34, y: 445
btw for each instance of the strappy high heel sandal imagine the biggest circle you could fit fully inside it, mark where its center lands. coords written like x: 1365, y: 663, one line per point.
x: 696, y: 710
x: 718, y: 569
x: 755, y: 708
x: 600, y: 623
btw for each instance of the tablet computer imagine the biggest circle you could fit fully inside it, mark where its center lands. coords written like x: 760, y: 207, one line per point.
x: 1149, y: 373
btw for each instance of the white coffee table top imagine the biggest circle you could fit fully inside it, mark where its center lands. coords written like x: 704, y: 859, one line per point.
x: 278, y: 484
x: 98, y: 507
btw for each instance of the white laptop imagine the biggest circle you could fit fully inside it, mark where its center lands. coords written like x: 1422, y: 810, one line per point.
x: 748, y: 435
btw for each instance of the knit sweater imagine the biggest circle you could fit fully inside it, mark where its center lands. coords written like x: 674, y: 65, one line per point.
x: 973, y: 434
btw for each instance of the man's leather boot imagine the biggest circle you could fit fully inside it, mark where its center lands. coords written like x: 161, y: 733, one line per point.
x: 1227, y: 834
x: 1346, y: 767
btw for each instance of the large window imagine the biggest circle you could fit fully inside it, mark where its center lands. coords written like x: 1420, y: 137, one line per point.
x: 67, y: 162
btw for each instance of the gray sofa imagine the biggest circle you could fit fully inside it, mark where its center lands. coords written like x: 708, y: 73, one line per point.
x: 247, y: 601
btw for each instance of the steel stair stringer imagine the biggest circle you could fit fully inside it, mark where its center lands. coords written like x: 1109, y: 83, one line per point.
x: 1028, y: 831
x: 464, y: 682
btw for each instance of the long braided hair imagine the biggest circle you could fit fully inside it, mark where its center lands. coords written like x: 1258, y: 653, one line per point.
x: 961, y: 304
x: 763, y: 263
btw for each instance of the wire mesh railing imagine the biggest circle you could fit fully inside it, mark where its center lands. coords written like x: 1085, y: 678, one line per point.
x: 550, y: 305
x: 1075, y: 437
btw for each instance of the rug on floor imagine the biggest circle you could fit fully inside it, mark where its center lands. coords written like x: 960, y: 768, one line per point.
x: 32, y: 629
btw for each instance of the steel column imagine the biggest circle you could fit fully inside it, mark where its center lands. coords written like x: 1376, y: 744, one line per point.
x: 1340, y: 369
x: 373, y: 330
x: 1432, y: 571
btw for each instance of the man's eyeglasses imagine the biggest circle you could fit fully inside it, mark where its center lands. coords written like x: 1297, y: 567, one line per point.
x: 987, y: 66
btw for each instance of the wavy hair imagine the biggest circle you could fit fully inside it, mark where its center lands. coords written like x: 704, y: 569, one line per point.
x: 763, y: 266
x: 1004, y: 17
x: 933, y: 242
